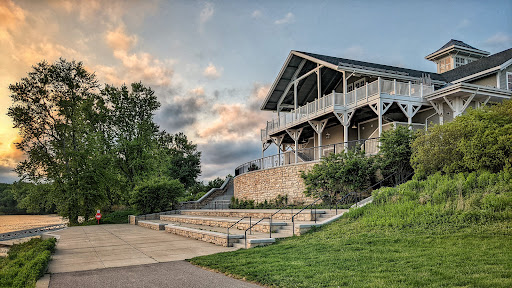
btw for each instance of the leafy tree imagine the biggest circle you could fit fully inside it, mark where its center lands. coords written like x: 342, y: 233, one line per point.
x: 477, y: 140
x: 156, y: 194
x: 179, y: 158
x: 395, y: 153
x: 340, y: 173
x: 53, y: 110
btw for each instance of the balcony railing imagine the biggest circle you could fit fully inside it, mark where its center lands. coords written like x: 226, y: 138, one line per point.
x: 370, y: 146
x: 354, y: 98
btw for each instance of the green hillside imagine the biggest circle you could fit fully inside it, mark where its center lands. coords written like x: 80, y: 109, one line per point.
x: 446, y: 231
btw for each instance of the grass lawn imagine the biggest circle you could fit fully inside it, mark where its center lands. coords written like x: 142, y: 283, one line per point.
x: 447, y: 231
x: 346, y: 254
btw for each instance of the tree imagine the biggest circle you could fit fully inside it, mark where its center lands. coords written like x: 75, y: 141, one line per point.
x: 395, y: 153
x: 53, y: 110
x: 179, y: 158
x: 477, y: 140
x: 156, y: 194
x: 340, y: 173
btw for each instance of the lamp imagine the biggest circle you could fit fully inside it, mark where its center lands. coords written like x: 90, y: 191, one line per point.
x: 354, y: 126
x: 327, y: 135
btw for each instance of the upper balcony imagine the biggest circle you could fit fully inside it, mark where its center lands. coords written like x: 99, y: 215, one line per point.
x: 337, y: 102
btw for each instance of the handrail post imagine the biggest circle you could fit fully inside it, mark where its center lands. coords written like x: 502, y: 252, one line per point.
x: 409, y: 88
x: 293, y: 226
x: 378, y: 86
x: 245, y: 233
x: 250, y: 225
x: 270, y: 227
x: 421, y: 89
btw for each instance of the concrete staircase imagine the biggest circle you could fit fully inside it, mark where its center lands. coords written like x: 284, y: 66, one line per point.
x: 212, y: 225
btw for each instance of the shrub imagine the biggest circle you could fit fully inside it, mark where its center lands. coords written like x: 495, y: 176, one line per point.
x: 156, y: 195
x: 395, y: 153
x: 339, y: 174
x: 477, y: 140
x: 26, y: 263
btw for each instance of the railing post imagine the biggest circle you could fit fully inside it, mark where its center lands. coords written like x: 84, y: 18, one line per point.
x: 270, y: 236
x: 250, y: 225
x: 333, y: 98
x: 394, y: 87
x: 378, y: 85
x: 421, y: 89
x: 409, y: 88
x: 366, y: 85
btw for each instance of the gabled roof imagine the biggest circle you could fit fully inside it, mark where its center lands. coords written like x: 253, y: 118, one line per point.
x: 455, y: 45
x: 478, y: 66
x: 453, y: 42
x: 374, y: 66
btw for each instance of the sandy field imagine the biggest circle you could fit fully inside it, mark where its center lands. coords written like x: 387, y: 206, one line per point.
x: 21, y: 222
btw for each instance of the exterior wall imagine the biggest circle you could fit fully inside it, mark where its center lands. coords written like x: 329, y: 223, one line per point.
x: 366, y: 129
x: 486, y: 81
x: 336, y: 135
x: 267, y: 184
x: 503, y: 77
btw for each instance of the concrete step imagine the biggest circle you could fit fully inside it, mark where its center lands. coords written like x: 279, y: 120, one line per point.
x: 263, y: 226
x: 204, y: 235
x: 306, y: 215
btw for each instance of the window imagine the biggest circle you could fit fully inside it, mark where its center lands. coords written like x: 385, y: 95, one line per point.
x: 509, y: 81
x: 459, y: 61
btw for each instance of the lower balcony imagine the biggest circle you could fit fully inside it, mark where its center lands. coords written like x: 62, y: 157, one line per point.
x: 369, y: 146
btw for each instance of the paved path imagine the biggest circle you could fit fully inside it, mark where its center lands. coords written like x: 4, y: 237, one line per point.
x: 171, y: 274
x: 104, y: 246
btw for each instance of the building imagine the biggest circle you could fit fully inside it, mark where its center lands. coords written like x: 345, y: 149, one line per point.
x: 326, y: 104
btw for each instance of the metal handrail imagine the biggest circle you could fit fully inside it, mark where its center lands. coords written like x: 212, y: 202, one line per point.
x: 275, y: 214
x: 293, y: 217
x: 250, y: 227
x: 250, y: 221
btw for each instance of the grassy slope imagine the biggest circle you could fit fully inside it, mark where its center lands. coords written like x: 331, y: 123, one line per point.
x: 447, y: 231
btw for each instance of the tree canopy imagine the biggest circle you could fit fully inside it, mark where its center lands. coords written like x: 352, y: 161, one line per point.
x: 91, y: 146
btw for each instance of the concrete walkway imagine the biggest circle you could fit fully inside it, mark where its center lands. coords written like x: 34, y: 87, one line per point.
x: 105, y: 246
x: 171, y: 274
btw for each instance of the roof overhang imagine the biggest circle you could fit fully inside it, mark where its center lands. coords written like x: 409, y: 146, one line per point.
x: 436, y: 55
x: 465, y: 89
x: 277, y: 89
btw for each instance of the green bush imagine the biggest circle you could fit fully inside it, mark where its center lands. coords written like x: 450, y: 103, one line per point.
x: 338, y: 174
x: 395, y: 153
x: 156, y: 195
x: 116, y: 217
x: 478, y: 140
x: 279, y: 202
x: 26, y: 263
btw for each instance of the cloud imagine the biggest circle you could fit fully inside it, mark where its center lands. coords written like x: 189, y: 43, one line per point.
x: 220, y: 158
x: 9, y: 156
x: 118, y: 40
x: 288, y: 18
x: 206, y: 13
x: 198, y: 91
x: 239, y: 121
x: 212, y: 72
x: 499, y: 40
x: 11, y: 18
x: 256, y: 14
x: 139, y: 66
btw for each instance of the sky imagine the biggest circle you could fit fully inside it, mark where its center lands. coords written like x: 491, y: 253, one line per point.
x: 212, y: 63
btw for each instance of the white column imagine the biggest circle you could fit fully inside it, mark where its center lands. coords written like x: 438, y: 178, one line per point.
x: 379, y: 112
x: 295, y: 94
x: 319, y: 82
x: 345, y: 135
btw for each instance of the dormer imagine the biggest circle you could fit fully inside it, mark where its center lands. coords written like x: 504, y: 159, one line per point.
x: 454, y: 54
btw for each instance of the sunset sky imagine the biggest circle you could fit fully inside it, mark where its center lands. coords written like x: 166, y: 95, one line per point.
x: 212, y: 63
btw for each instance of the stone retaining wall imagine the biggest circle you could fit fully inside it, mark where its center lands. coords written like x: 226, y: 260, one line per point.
x: 235, y: 213
x: 267, y: 184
